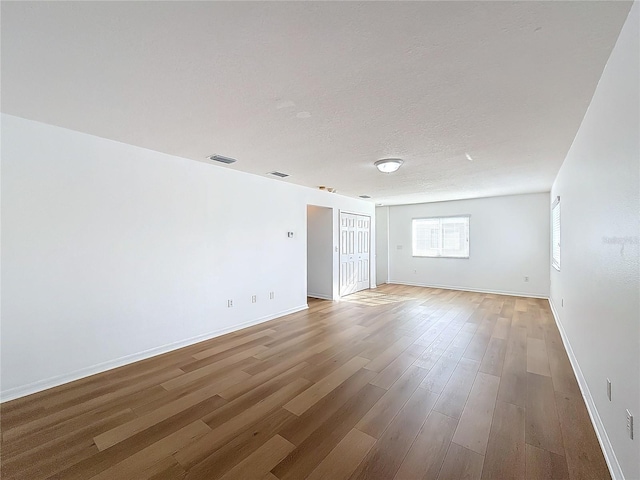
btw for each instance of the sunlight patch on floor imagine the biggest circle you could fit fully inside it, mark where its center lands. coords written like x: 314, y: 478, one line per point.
x: 373, y: 298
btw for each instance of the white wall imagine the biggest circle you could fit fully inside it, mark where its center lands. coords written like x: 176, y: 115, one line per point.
x: 508, y: 240
x: 382, y: 245
x: 598, y: 186
x: 111, y: 253
x: 320, y: 250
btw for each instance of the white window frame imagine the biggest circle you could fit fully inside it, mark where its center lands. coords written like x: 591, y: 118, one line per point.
x: 555, y: 234
x: 413, y: 236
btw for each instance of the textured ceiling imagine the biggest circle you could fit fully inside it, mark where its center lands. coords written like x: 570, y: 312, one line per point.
x: 322, y: 90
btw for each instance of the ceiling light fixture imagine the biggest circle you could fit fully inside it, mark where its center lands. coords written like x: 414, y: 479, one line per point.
x: 388, y: 165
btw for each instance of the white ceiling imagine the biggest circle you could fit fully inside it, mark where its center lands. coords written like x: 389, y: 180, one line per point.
x: 506, y: 82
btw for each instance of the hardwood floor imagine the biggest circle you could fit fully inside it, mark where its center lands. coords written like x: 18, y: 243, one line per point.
x: 394, y: 383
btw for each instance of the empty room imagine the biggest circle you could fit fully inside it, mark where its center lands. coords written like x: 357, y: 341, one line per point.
x: 320, y: 240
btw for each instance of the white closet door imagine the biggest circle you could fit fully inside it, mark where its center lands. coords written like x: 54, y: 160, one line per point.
x: 348, y: 259
x: 355, y: 233
x: 362, y: 252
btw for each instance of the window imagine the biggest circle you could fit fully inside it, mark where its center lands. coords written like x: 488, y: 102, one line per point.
x: 555, y: 234
x: 441, y: 237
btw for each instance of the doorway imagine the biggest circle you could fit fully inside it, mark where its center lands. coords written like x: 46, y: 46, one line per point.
x: 355, y: 233
x: 320, y: 252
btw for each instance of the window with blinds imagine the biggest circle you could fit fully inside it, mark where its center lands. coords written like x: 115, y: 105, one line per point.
x: 441, y: 237
x: 555, y: 234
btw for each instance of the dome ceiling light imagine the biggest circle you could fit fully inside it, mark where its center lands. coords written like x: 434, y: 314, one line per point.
x: 388, y: 165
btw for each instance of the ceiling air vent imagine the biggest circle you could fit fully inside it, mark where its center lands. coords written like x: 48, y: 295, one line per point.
x: 221, y: 159
x: 278, y: 174
x: 365, y: 196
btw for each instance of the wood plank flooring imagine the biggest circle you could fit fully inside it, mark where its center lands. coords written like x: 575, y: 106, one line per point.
x: 394, y: 383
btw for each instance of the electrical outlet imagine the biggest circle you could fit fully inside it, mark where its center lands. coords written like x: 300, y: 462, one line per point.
x: 254, y: 299
x: 526, y: 278
x: 630, y: 424
x: 609, y: 389
x: 229, y: 303
x: 562, y: 304
x: 271, y: 295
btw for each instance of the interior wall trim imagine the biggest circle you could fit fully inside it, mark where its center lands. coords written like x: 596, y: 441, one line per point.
x: 320, y: 296
x: 598, y: 425
x: 468, y: 289
x: 40, y: 385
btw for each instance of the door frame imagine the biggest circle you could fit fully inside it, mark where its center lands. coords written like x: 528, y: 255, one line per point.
x: 330, y: 295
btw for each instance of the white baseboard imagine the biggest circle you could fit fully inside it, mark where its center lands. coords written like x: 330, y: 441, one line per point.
x: 601, y: 433
x: 320, y: 296
x: 24, y: 390
x: 468, y: 289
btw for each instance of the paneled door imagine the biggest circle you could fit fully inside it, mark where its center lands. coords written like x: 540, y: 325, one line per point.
x: 354, y: 252
x: 362, y: 252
